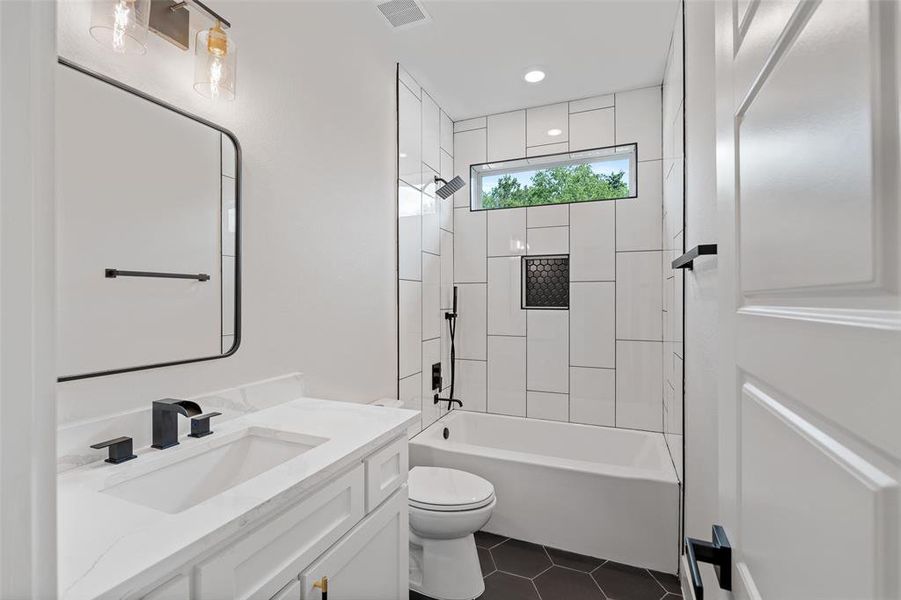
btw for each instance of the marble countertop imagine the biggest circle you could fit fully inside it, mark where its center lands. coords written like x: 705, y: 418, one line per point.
x: 110, y: 547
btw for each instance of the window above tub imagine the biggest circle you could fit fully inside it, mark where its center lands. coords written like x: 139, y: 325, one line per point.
x: 585, y: 176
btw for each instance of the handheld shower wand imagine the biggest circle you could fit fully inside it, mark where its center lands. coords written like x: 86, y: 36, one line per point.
x: 451, y: 318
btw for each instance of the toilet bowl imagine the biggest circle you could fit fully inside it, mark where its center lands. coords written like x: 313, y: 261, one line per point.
x: 446, y: 507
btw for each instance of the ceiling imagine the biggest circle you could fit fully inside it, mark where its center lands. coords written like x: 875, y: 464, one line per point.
x: 472, y: 55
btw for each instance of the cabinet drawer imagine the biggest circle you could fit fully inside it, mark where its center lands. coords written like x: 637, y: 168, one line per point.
x: 386, y: 471
x: 259, y: 564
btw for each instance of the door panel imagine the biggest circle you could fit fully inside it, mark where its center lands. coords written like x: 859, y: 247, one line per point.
x: 810, y: 319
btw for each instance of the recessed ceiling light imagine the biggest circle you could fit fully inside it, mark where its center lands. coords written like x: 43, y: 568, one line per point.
x: 554, y: 132
x: 534, y: 76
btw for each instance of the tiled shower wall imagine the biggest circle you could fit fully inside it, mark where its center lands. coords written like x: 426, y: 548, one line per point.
x: 601, y: 361
x: 425, y: 246
x: 673, y: 211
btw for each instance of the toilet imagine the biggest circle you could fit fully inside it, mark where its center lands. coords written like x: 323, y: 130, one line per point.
x: 446, y: 507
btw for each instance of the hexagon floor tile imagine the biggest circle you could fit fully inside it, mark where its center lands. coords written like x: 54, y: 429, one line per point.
x: 518, y: 570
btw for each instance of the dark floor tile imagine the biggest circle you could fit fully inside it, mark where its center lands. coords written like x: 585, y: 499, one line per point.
x: 571, y: 560
x: 503, y: 586
x: 672, y: 596
x: 488, y: 540
x: 622, y: 582
x: 669, y: 582
x: 520, y: 558
x: 485, y: 561
x: 418, y: 596
x: 558, y: 583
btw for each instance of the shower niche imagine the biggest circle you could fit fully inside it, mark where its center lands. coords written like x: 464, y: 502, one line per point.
x: 545, y: 282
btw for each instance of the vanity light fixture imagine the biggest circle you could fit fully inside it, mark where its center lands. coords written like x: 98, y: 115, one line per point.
x: 121, y: 25
x: 534, y: 76
x: 554, y: 132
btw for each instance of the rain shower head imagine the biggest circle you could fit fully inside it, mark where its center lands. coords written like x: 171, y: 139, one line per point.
x: 449, y: 187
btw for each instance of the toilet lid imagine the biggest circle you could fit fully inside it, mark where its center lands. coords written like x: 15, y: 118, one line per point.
x: 438, y: 488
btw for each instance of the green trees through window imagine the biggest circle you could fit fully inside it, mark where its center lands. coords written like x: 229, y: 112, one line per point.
x: 556, y: 185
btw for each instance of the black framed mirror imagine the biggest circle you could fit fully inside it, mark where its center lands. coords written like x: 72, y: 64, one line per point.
x: 148, y: 231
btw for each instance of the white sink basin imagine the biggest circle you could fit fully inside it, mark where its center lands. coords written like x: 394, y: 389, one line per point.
x: 177, y: 486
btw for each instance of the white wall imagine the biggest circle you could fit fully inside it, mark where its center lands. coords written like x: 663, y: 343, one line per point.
x: 701, y: 342
x: 425, y: 248
x: 600, y: 362
x: 316, y: 121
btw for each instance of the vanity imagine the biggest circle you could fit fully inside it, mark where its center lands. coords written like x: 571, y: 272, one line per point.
x: 268, y: 506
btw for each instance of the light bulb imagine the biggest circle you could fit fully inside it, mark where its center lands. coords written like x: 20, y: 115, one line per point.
x: 121, y: 25
x: 214, y: 64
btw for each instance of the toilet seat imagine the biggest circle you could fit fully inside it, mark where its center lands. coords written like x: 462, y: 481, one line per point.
x: 447, y: 490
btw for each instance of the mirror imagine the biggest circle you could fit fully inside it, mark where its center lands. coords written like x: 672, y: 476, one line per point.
x: 148, y: 244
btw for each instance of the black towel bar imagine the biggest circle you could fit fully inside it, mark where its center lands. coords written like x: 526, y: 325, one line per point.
x: 113, y: 273
x: 686, y: 261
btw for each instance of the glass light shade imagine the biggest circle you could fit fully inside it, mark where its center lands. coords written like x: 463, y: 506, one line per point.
x: 121, y: 25
x: 215, y: 62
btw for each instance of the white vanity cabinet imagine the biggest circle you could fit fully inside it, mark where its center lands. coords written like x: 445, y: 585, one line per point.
x: 352, y: 529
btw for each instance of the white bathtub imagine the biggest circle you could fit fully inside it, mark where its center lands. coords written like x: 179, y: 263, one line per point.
x: 609, y: 493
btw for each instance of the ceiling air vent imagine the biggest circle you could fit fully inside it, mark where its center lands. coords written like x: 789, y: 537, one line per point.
x: 403, y: 13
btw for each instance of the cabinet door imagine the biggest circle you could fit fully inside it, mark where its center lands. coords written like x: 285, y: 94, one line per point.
x: 289, y: 592
x: 371, y: 561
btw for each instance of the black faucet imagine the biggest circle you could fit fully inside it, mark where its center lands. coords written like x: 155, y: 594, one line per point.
x: 165, y: 420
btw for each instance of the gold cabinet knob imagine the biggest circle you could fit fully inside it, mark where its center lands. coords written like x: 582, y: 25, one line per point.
x: 321, y: 584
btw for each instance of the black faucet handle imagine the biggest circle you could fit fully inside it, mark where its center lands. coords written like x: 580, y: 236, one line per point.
x: 200, y: 425
x: 121, y: 449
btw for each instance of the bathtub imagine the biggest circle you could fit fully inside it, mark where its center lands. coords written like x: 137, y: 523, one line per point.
x: 609, y: 493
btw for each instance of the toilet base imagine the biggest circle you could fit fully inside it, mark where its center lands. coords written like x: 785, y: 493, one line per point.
x: 446, y: 569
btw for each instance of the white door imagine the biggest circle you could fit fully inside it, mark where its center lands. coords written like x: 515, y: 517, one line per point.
x: 810, y: 385
x: 371, y: 562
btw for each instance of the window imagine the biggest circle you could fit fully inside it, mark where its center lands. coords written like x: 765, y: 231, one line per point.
x: 584, y: 176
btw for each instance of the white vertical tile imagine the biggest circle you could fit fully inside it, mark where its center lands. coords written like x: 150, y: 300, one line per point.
x: 549, y: 240
x: 409, y: 231
x: 447, y: 269
x: 410, y: 327
x: 431, y: 295
x: 446, y: 128
x: 431, y: 354
x: 471, y: 332
x: 547, y: 149
x: 505, y: 313
x: 592, y: 103
x: 545, y: 405
x: 472, y: 384
x: 507, y: 135
x: 506, y: 232
x: 470, y: 124
x: 411, y: 84
x: 592, y: 396
x: 229, y: 160
x: 678, y: 304
x: 470, y: 246
x: 591, y: 129
x: 542, y: 119
x: 548, y: 351
x: 639, y: 404
x: 411, y: 396
x: 638, y: 220
x: 507, y: 375
x: 409, y: 137
x: 228, y: 295
x: 470, y: 148
x: 446, y: 205
x: 639, y: 119
x: 430, y: 217
x: 592, y: 241
x: 229, y: 215
x: 227, y: 342
x: 430, y: 132
x: 548, y: 216
x: 639, y: 296
x: 592, y: 324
